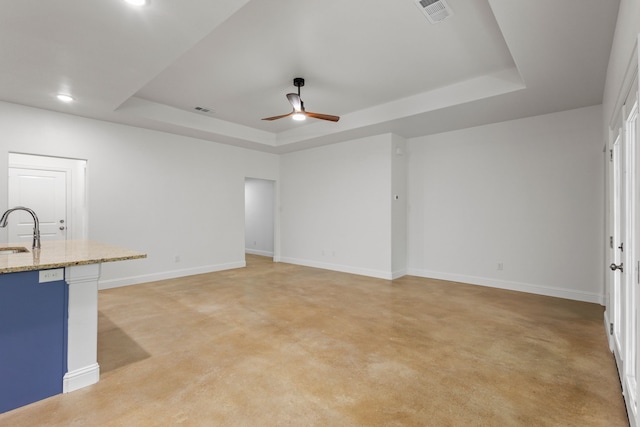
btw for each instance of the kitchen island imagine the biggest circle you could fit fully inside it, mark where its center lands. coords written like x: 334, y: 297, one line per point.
x: 49, y: 318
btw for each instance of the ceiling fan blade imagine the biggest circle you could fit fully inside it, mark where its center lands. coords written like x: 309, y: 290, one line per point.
x: 295, y: 101
x: 278, y: 117
x: 322, y: 116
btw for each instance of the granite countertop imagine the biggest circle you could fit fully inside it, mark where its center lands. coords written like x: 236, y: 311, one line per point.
x: 62, y: 253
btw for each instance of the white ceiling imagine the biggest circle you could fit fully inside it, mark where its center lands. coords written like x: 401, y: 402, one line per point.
x: 378, y: 64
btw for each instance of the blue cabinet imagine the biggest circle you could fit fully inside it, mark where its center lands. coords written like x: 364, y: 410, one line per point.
x: 33, y: 338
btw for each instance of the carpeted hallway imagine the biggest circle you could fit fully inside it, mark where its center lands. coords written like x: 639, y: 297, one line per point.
x: 282, y: 345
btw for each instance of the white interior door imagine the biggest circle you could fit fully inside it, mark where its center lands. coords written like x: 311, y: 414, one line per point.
x: 43, y: 191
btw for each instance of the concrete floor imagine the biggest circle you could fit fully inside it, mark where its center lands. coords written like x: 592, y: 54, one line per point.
x: 284, y: 345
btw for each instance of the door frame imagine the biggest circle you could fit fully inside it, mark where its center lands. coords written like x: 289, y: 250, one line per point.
x: 275, y: 229
x: 76, y: 186
x: 615, y: 307
x: 623, y: 225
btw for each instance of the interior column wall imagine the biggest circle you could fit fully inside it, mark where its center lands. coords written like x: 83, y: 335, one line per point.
x: 336, y: 206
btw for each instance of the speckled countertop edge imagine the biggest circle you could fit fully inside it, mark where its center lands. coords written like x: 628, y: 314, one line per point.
x: 63, y: 253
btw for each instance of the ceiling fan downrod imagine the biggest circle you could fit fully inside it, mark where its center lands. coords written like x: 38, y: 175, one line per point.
x: 298, y: 82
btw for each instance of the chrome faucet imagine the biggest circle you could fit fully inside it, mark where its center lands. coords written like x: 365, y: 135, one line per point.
x: 36, y: 223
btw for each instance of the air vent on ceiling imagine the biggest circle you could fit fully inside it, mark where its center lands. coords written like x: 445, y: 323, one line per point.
x: 435, y: 10
x: 203, y: 110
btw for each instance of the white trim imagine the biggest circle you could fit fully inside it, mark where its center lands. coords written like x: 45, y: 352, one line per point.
x: 398, y: 274
x: 607, y: 322
x: 512, y: 286
x: 258, y: 252
x: 337, y: 267
x: 75, y: 186
x: 625, y: 341
x: 172, y: 274
x: 629, y: 392
x: 630, y: 76
x: 80, y: 378
x: 632, y: 419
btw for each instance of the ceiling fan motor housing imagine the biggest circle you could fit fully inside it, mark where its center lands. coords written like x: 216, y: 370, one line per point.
x: 298, y: 82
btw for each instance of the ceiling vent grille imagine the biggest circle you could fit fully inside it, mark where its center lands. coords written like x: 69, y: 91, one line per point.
x: 435, y: 10
x: 203, y: 110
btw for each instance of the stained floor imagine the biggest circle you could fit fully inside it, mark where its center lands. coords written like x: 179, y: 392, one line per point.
x: 275, y: 344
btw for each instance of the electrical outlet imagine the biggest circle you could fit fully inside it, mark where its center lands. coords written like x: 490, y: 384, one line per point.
x: 176, y: 258
x: 500, y: 266
x: 53, y: 275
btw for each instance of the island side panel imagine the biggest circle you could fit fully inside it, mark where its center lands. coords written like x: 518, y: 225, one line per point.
x: 82, y: 350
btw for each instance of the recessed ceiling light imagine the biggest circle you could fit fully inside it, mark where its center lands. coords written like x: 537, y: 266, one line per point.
x: 64, y: 97
x: 137, y: 2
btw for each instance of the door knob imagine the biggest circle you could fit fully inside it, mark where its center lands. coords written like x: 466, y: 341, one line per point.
x: 615, y: 267
x: 62, y: 228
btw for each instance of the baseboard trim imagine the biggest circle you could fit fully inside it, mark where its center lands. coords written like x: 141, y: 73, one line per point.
x: 340, y: 268
x: 607, y: 322
x: 258, y: 252
x: 473, y: 280
x: 80, y: 378
x: 632, y: 412
x: 172, y: 274
x: 512, y: 286
x: 398, y: 274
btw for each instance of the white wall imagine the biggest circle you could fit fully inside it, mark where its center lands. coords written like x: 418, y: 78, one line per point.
x: 259, y: 197
x: 336, y: 206
x: 166, y: 195
x: 526, y: 193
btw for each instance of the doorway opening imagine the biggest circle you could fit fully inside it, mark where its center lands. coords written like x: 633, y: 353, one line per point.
x: 259, y: 215
x: 55, y: 188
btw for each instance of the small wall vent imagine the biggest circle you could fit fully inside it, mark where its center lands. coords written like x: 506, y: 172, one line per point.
x: 435, y: 10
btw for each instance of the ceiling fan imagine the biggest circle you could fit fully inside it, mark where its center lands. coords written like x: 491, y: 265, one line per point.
x: 299, y: 113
